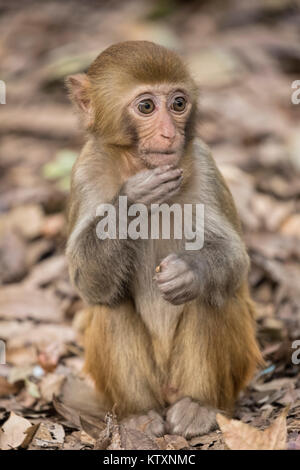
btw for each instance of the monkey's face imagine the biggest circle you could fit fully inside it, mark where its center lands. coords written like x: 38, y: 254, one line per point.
x: 159, y: 115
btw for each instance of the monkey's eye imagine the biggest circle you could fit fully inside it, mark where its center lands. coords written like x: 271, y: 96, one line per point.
x: 179, y: 104
x: 146, y: 106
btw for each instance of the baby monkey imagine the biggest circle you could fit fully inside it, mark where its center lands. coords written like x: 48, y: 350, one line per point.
x: 166, y: 346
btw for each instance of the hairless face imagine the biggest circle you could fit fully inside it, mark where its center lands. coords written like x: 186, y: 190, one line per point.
x: 159, y: 114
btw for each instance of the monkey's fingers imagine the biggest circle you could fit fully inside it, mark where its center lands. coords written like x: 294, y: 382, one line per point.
x: 174, y: 285
x: 167, y: 190
x: 180, y: 295
x: 172, y: 257
x: 162, y: 169
x: 171, y: 273
x: 170, y: 175
x: 168, y: 196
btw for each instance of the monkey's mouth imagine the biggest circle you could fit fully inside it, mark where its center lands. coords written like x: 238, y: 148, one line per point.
x: 154, y: 158
x: 160, y: 152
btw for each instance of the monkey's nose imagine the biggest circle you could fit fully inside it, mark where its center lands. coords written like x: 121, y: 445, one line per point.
x: 170, y: 137
x: 167, y: 128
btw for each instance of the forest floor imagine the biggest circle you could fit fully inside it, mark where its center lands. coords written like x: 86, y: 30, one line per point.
x: 245, y: 59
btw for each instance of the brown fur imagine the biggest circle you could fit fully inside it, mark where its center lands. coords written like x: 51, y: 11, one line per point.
x: 213, y: 356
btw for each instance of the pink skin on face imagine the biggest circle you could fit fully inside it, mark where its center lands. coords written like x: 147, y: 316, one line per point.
x: 160, y: 116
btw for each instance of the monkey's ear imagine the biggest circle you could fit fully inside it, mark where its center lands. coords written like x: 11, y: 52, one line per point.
x: 79, y: 86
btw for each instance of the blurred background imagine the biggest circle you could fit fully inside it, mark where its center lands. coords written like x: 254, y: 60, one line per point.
x: 244, y: 56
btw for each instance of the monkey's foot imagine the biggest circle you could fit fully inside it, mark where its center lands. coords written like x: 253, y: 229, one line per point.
x: 151, y: 423
x: 188, y: 418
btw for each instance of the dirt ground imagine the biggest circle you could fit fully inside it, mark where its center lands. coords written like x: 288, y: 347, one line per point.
x: 245, y: 57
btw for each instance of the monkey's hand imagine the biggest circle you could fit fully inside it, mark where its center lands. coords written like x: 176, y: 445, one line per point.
x: 153, y: 186
x: 177, y: 280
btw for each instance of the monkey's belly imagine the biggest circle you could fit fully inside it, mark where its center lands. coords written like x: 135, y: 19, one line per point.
x: 159, y: 316
x: 161, y: 319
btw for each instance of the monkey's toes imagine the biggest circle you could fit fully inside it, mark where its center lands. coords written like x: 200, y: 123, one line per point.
x: 151, y: 423
x: 188, y: 418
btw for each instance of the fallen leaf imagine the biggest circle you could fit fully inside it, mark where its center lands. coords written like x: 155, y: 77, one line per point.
x: 13, y: 265
x: 47, y: 271
x: 44, y: 334
x: 27, y: 220
x: 61, y: 166
x: 13, y: 432
x: 48, y: 435
x: 49, y: 356
x: 32, y: 389
x: 241, y: 436
x: 73, y: 441
x: 132, y: 439
x: 87, y: 439
x: 206, y: 440
x: 53, y: 225
x: 7, y: 388
x: 92, y: 426
x: 21, y: 356
x: 20, y: 302
x: 172, y: 442
x: 69, y: 414
x: 51, y: 385
x: 294, y: 444
x: 291, y: 226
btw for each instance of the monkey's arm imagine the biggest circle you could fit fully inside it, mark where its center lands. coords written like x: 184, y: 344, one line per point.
x: 101, y: 269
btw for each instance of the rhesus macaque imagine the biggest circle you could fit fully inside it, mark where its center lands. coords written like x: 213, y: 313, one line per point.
x: 168, y: 346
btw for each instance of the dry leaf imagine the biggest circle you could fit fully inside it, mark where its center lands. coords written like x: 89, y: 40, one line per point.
x: 172, y: 442
x: 47, y: 271
x: 53, y: 225
x: 13, y: 264
x: 291, y: 226
x: 294, y: 444
x: 71, y: 415
x: 87, y: 439
x: 206, y: 440
x: 92, y: 426
x: 21, y: 356
x: 241, y: 436
x: 125, y: 438
x: 48, y: 435
x: 133, y: 439
x: 51, y: 385
x: 20, y: 334
x: 49, y: 356
x: 13, y: 432
x: 7, y: 388
x: 27, y: 220
x: 19, y: 301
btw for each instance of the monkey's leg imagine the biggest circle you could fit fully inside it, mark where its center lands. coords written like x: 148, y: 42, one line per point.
x: 214, y: 356
x: 119, y: 359
x: 190, y: 418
